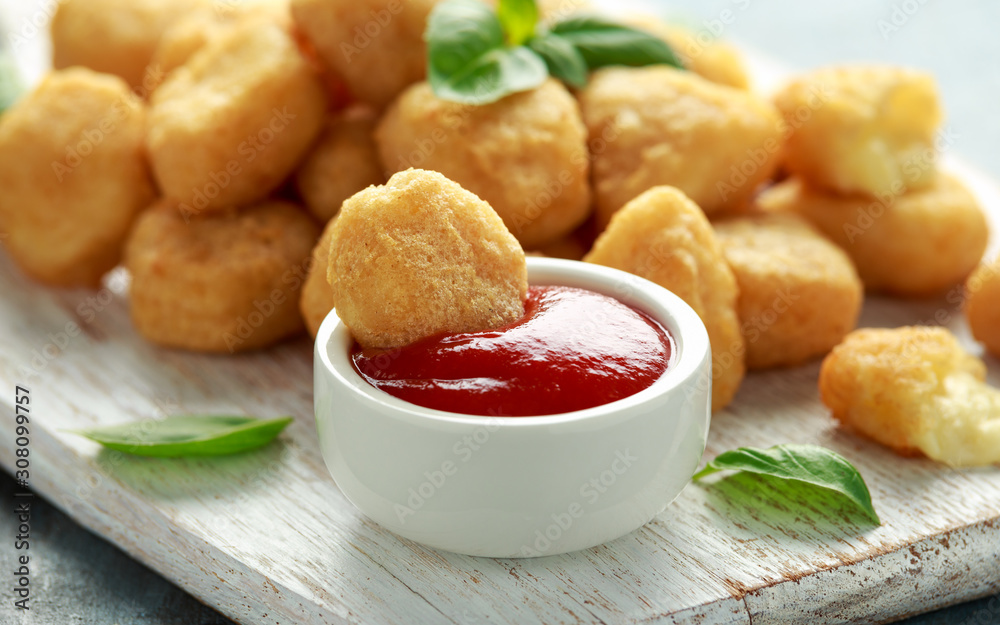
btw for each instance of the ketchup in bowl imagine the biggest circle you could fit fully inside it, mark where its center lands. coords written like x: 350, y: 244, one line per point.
x: 573, y: 349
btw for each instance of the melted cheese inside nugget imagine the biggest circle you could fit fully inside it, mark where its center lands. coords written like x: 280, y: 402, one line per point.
x: 799, y: 293
x: 664, y: 237
x: 916, y: 244
x: 914, y: 389
x: 863, y: 129
x: 376, y: 46
x: 317, y: 296
x: 73, y: 176
x: 661, y: 126
x: 526, y: 154
x: 982, y: 304
x: 228, y: 127
x: 223, y: 282
x: 114, y: 36
x: 342, y: 162
x: 420, y: 256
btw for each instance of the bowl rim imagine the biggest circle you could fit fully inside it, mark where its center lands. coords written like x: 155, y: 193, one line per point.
x: 689, y: 337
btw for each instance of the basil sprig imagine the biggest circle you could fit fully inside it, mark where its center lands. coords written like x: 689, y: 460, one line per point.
x: 809, y: 464
x: 188, y: 435
x: 478, y: 56
x: 10, y: 81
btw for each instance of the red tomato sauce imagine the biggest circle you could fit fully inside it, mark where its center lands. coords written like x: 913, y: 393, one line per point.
x: 572, y: 349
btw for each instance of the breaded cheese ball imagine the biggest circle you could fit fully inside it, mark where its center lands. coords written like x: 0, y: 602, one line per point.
x: 229, y: 127
x: 526, y: 155
x: 73, y: 176
x: 114, y: 36
x: 914, y: 389
x: 799, y: 293
x: 700, y: 53
x: 664, y: 237
x: 658, y: 125
x: 376, y: 46
x: 191, y: 32
x: 982, y: 304
x: 862, y: 129
x: 223, y: 282
x: 917, y: 244
x: 420, y: 256
x: 343, y: 161
x: 317, y: 297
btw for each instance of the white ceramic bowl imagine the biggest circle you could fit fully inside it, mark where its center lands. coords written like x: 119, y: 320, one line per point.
x: 520, y: 486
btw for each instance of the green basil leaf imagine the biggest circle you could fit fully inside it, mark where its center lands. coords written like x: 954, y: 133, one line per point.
x: 188, y: 435
x: 604, y: 42
x: 563, y: 60
x: 519, y: 19
x: 467, y: 59
x: 810, y: 464
x: 10, y: 82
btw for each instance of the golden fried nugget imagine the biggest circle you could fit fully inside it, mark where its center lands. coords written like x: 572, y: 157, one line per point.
x: 799, y: 293
x: 914, y: 389
x: 221, y: 282
x: 916, y: 244
x: 317, y: 297
x: 658, y: 125
x: 862, y: 129
x: 73, y: 176
x: 701, y: 53
x: 228, y: 127
x: 191, y: 32
x: 376, y: 46
x: 115, y: 36
x: 982, y: 304
x: 525, y: 155
x: 420, y: 256
x: 664, y: 237
x: 342, y: 162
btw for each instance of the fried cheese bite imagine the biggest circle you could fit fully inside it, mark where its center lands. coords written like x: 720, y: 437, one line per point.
x: 343, y: 161
x: 223, y: 282
x: 420, y: 256
x: 229, y: 126
x: 664, y: 237
x: 700, y: 53
x: 376, y: 46
x: 982, y: 304
x: 525, y: 155
x: 73, y: 176
x: 914, y: 389
x: 862, y: 129
x: 317, y: 296
x: 799, y: 293
x: 658, y: 125
x: 114, y: 36
x: 916, y: 245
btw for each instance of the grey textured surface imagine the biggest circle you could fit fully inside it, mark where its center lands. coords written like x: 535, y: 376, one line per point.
x: 80, y: 578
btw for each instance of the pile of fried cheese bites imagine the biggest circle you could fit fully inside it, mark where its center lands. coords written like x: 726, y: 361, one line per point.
x: 210, y: 147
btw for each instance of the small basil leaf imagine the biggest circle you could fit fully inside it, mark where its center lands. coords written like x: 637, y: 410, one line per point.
x: 467, y: 59
x: 519, y: 19
x: 493, y: 76
x: 10, y: 82
x: 189, y: 435
x: 564, y: 61
x: 810, y: 464
x: 604, y: 42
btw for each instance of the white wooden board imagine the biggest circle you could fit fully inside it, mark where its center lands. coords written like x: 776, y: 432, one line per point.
x: 267, y: 537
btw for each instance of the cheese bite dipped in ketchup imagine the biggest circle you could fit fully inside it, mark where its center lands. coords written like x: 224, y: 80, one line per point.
x: 573, y: 349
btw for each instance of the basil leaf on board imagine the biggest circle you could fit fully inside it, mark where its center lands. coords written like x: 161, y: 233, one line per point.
x: 810, y: 464
x: 188, y: 435
x: 518, y: 19
x: 604, y: 42
x: 467, y: 59
x: 563, y: 60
